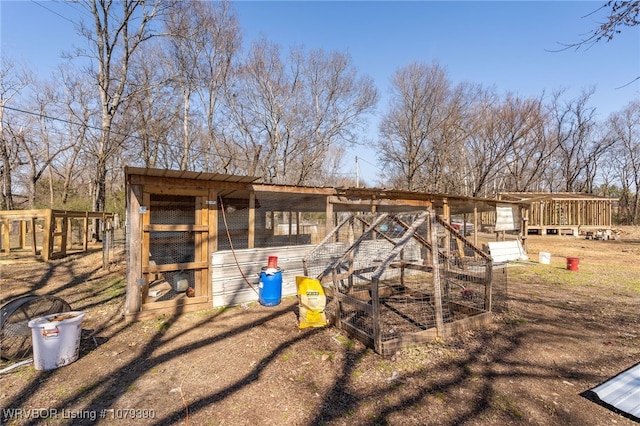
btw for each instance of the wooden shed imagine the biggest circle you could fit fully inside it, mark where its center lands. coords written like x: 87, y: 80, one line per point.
x: 212, y: 234
x: 564, y: 213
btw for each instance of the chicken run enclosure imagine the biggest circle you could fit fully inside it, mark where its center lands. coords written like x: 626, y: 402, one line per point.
x: 396, y: 280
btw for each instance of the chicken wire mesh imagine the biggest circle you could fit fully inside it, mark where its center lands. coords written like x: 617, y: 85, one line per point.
x: 172, y: 247
x: 399, y: 279
x: 273, y: 226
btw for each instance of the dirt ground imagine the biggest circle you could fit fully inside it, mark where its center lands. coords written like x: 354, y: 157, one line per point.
x: 563, y: 333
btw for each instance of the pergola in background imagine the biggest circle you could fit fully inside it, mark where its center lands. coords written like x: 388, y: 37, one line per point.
x: 564, y: 212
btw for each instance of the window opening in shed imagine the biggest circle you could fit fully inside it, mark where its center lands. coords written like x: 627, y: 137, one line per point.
x: 273, y: 223
x: 172, y: 246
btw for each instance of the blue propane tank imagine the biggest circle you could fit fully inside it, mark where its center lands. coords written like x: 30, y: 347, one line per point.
x: 270, y: 288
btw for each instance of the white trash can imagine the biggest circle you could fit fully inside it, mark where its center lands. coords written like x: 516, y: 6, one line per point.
x: 56, y: 339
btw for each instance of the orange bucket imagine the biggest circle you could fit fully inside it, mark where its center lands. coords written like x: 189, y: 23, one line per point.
x: 573, y: 263
x: 273, y: 262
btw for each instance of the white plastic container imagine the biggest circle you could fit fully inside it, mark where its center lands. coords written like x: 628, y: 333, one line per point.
x: 545, y: 257
x: 181, y: 283
x: 56, y: 339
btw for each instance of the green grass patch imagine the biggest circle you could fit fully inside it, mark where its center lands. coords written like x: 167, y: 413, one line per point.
x: 346, y: 342
x: 588, y: 275
x: 505, y: 404
x: 115, y: 287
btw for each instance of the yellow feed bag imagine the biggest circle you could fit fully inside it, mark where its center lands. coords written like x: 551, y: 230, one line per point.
x: 311, y: 302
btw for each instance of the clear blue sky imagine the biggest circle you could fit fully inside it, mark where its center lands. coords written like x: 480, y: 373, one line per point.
x: 505, y: 44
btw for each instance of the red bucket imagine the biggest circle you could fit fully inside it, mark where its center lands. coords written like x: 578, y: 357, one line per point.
x: 273, y: 262
x: 573, y: 263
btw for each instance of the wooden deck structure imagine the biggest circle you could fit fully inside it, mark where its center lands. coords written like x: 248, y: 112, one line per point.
x: 215, y: 231
x: 47, y: 232
x: 564, y: 213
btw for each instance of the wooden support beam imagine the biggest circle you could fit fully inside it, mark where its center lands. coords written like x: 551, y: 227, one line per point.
x: 34, y: 248
x: 133, y: 299
x: 252, y: 220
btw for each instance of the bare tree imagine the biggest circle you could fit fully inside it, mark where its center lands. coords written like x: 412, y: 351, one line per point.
x: 571, y: 127
x: 418, y: 110
x: 77, y: 109
x: 625, y: 129
x: 113, y: 39
x: 529, y: 150
x: 487, y: 146
x: 330, y: 106
x: 288, y: 116
x: 182, y: 59
x: 13, y: 81
x: 619, y: 14
x: 217, y: 43
x: 153, y: 110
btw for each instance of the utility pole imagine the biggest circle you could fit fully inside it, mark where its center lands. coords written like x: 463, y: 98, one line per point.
x: 357, y: 173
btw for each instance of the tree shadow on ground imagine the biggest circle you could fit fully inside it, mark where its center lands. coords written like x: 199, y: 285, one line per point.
x: 457, y: 388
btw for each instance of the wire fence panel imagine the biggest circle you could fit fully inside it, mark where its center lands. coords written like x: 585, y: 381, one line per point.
x: 384, y: 288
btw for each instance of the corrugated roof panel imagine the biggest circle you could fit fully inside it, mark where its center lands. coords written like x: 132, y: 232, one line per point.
x: 622, y: 391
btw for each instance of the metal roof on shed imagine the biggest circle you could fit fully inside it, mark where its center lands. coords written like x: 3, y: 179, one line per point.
x: 188, y: 174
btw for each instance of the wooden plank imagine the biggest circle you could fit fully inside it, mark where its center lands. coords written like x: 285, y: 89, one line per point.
x: 6, y: 235
x: 47, y: 243
x: 175, y: 190
x: 175, y: 228
x: 357, y: 334
x: 389, y: 347
x: 436, y: 277
x: 466, y: 324
x: 135, y: 262
x: 166, y: 308
x: 365, y: 307
x: 85, y: 238
x: 34, y: 249
x: 251, y: 243
x: 168, y: 267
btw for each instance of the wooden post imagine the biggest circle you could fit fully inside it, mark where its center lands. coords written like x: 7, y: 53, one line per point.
x: 64, y: 224
x: 213, y: 221
x: 6, y: 236
x: 330, y: 223
x: 34, y: 248
x: 375, y: 310
x: 437, y: 292
x: 133, y: 299
x: 446, y: 213
x: 488, y: 280
x: 524, y: 215
x: 212, y: 237
x: 251, y: 243
x: 22, y: 238
x: 47, y: 235
x: 475, y: 225
x: 290, y: 213
x: 85, y: 238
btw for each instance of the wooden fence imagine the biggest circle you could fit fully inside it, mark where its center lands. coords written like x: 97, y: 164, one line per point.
x: 47, y: 232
